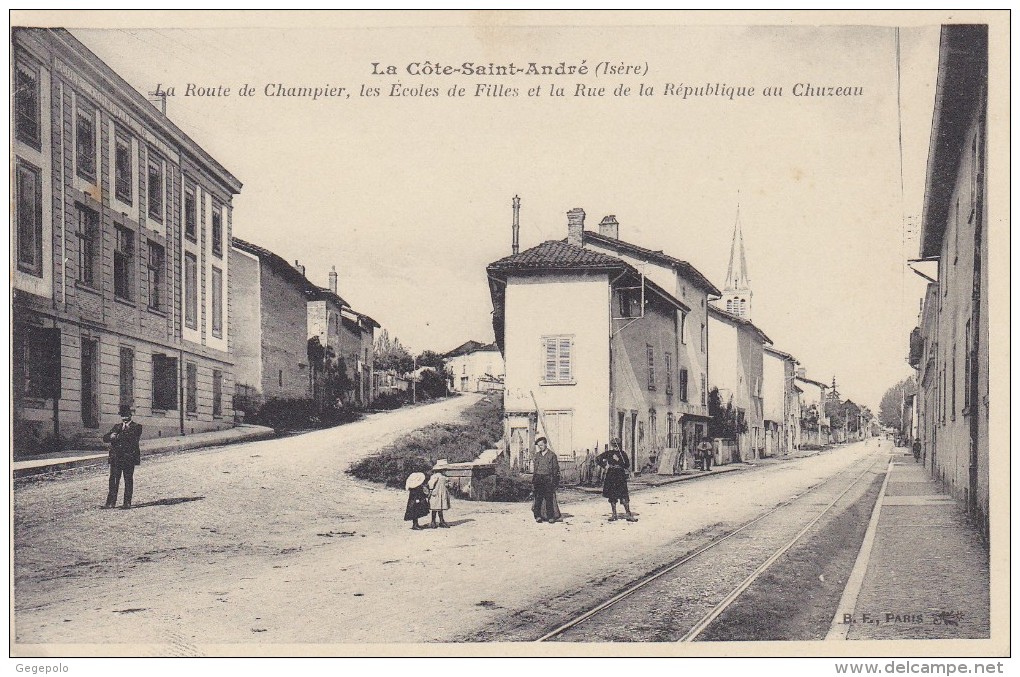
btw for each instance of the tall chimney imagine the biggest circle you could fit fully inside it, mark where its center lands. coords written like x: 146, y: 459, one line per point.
x: 575, y: 226
x: 300, y: 268
x: 516, y: 248
x: 802, y: 372
x: 332, y: 279
x: 610, y: 227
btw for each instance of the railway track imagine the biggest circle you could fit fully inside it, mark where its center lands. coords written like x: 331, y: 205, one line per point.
x: 680, y: 600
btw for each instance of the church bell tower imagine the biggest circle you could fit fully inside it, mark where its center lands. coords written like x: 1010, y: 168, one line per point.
x: 736, y: 297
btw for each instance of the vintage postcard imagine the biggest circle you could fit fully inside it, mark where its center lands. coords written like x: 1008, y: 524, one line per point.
x: 510, y: 333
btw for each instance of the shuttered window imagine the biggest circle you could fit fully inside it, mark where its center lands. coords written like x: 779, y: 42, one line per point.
x: 650, y: 354
x: 683, y: 385
x: 558, y: 359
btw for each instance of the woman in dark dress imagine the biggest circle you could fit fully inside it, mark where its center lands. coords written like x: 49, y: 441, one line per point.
x: 417, y: 500
x: 614, y: 487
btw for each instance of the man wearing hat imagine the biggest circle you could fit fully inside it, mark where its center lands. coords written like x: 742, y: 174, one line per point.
x: 545, y: 480
x: 124, y: 456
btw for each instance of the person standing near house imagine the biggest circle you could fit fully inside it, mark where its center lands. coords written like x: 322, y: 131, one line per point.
x: 705, y: 453
x: 439, y: 495
x: 545, y: 480
x: 124, y: 456
x: 614, y: 487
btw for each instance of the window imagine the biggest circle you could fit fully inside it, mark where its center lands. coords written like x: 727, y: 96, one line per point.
x: 683, y: 385
x: 28, y: 126
x: 217, y: 302
x: 191, y: 291
x: 155, y: 190
x: 967, y: 367
x: 90, y: 247
x: 684, y: 329
x: 124, y: 264
x: 123, y: 170
x: 85, y: 143
x: 217, y: 230
x: 650, y: 357
x: 669, y: 374
x: 37, y: 356
x: 952, y: 403
x: 558, y: 351
x: 190, y: 213
x: 704, y: 337
x: 628, y: 302
x: 29, y: 218
x: 157, y: 274
x: 704, y: 391
x: 281, y: 378
x: 164, y: 382
x: 127, y: 377
x: 191, y: 392
x: 217, y: 392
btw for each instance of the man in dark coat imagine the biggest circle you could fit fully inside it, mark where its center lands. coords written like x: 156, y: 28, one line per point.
x: 124, y: 456
x: 545, y: 480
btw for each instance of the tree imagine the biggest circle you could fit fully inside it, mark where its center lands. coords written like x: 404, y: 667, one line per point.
x: 890, y: 409
x: 430, y: 358
x: 726, y: 423
x: 391, y: 354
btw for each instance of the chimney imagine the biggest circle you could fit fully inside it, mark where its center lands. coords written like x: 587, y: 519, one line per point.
x: 300, y: 268
x: 575, y: 226
x: 516, y: 247
x: 610, y: 227
x: 332, y: 279
x: 802, y: 372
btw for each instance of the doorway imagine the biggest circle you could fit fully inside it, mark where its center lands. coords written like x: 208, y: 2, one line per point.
x: 90, y: 383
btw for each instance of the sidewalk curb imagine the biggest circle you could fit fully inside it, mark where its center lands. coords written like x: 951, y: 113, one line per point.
x: 187, y: 443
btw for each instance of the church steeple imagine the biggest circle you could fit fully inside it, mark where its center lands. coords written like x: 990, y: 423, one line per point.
x: 737, y: 294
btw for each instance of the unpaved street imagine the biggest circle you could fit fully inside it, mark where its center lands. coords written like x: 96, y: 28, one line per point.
x: 272, y: 543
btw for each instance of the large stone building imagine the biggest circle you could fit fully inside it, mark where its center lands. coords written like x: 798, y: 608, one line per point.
x: 953, y: 365
x: 120, y: 266
x: 475, y: 367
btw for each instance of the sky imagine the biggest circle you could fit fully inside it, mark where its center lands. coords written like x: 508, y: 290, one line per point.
x: 410, y: 197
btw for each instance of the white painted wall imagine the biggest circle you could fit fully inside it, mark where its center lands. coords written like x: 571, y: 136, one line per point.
x: 474, y: 366
x: 774, y: 387
x: 724, y: 360
x: 574, y: 305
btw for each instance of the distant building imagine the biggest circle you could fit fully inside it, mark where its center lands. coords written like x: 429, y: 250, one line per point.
x: 781, y: 402
x: 120, y: 266
x: 475, y: 367
x: 953, y: 397
x: 590, y: 346
x: 271, y: 311
x: 814, y: 422
x: 737, y: 295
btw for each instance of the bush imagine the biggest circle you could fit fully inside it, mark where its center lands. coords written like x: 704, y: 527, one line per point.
x: 294, y: 414
x: 391, y: 400
x: 504, y: 487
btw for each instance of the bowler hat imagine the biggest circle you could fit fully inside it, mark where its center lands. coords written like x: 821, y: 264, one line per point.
x: 125, y: 411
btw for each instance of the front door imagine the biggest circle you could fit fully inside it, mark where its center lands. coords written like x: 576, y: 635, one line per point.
x: 90, y: 383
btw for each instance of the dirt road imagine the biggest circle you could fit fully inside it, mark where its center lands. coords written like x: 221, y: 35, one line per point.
x: 272, y: 543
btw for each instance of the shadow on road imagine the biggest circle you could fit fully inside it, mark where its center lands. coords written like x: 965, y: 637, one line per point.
x: 168, y: 501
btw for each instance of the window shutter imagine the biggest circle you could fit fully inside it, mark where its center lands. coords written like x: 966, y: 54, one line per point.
x: 564, y: 361
x: 550, y: 359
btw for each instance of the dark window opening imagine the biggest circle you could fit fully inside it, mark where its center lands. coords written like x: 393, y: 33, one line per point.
x: 127, y: 377
x: 29, y: 217
x: 155, y: 190
x: 164, y: 382
x: 28, y: 124
x: 124, y: 264
x: 85, y: 144
x: 157, y: 274
x: 90, y: 247
x: 192, y: 388
x: 123, y: 170
x: 191, y: 291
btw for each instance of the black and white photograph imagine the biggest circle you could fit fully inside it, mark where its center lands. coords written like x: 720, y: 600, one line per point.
x: 511, y: 333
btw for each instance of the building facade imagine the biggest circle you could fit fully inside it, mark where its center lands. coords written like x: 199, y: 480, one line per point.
x: 348, y: 339
x: 272, y: 358
x: 737, y: 370
x: 781, y: 402
x: 590, y: 351
x: 475, y: 367
x: 954, y: 385
x: 687, y: 418
x: 119, y: 259
x: 814, y: 422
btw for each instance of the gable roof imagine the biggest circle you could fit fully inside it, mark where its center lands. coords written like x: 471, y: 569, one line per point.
x: 276, y: 263
x: 464, y: 348
x: 733, y: 319
x: 780, y: 353
x: 805, y: 379
x: 683, y: 267
x: 554, y: 255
